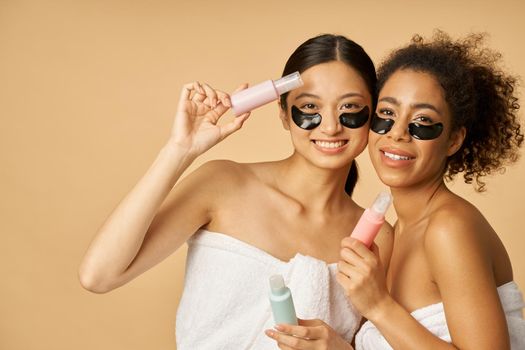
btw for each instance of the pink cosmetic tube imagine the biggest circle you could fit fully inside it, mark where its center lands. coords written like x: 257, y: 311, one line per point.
x: 263, y: 93
x: 372, y: 219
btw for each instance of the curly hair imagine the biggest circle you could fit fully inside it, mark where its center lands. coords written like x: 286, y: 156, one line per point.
x: 480, y: 95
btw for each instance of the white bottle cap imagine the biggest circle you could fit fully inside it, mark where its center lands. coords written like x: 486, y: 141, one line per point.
x: 288, y: 82
x: 277, y: 284
x: 382, y: 203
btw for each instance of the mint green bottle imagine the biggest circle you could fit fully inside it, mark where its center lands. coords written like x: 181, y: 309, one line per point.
x: 281, y: 301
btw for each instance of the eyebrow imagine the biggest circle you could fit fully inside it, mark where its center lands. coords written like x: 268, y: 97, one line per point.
x: 419, y: 105
x: 350, y: 94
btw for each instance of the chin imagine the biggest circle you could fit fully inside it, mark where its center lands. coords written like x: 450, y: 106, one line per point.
x: 394, y: 180
x: 332, y: 164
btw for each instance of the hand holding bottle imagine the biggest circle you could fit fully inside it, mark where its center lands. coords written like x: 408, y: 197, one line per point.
x: 362, y: 276
x: 360, y: 271
x: 308, y: 334
x: 195, y: 127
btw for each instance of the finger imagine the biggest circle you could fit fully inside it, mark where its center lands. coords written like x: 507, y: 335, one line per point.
x: 347, y: 241
x: 187, y: 92
x: 349, y: 256
x: 357, y: 270
x: 221, y: 108
x: 224, y: 98
x: 307, y: 329
x: 211, y: 95
x: 349, y: 283
x: 342, y: 279
x: 198, y: 96
x: 344, y: 282
x: 370, y: 259
x: 348, y: 269
x: 197, y: 90
x: 188, y: 89
x: 241, y: 87
x: 234, y: 125
x: 297, y: 331
x: 361, y: 249
x: 288, y: 340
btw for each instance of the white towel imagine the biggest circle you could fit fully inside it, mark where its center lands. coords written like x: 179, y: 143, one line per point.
x: 225, y: 301
x: 433, y: 318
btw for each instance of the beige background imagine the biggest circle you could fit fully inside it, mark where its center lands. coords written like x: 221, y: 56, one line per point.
x: 87, y: 93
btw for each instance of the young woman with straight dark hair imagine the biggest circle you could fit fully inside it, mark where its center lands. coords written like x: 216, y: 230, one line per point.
x: 246, y: 222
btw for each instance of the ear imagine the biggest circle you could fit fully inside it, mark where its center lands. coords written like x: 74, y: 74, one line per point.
x: 283, y: 117
x: 456, y: 140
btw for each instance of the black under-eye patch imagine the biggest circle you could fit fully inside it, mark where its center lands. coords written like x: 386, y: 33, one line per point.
x: 307, y: 121
x: 355, y: 120
x: 425, y: 132
x: 418, y: 131
x: 380, y: 125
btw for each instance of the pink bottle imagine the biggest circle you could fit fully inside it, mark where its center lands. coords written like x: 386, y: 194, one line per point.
x: 263, y: 93
x: 372, y: 219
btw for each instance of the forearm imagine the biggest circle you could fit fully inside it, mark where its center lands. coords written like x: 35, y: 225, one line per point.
x: 120, y: 238
x: 402, y: 331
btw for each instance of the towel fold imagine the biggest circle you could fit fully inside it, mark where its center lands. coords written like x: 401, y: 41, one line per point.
x: 225, y: 303
x: 433, y: 318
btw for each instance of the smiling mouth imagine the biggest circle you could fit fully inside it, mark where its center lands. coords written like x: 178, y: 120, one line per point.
x: 396, y: 156
x: 330, y: 144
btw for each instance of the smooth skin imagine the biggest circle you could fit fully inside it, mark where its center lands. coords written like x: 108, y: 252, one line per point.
x: 295, y: 205
x: 444, y: 249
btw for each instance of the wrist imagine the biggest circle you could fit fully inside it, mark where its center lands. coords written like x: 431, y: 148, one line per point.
x: 177, y: 153
x: 381, y: 309
x: 178, y: 150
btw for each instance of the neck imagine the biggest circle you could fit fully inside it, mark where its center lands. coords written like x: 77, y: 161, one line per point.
x: 413, y: 204
x: 315, y: 188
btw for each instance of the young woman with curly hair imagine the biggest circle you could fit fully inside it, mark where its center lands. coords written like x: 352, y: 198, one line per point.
x: 444, y: 107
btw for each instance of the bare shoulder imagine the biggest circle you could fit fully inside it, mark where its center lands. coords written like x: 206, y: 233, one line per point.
x: 220, y: 180
x: 217, y: 174
x: 456, y: 219
x: 461, y: 249
x: 458, y: 236
x: 207, y: 186
x: 220, y: 169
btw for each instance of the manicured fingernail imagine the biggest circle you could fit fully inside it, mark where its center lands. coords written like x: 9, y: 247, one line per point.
x: 269, y: 333
x: 279, y: 327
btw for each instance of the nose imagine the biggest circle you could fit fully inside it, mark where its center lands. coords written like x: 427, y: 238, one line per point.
x: 399, y: 131
x: 330, y: 124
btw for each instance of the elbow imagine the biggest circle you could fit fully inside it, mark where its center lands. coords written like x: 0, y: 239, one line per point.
x: 91, y: 282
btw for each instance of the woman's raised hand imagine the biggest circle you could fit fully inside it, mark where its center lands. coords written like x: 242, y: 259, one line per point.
x: 309, y: 334
x: 195, y: 127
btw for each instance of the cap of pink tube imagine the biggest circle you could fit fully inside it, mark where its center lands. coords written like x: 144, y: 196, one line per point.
x: 288, y: 82
x: 381, y: 204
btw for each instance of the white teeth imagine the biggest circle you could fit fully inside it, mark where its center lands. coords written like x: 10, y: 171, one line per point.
x: 326, y: 144
x: 395, y: 156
